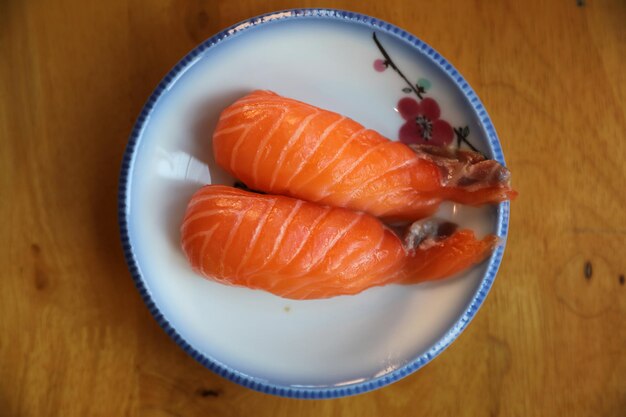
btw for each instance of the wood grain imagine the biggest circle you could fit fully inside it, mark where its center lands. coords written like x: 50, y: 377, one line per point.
x: 75, y: 338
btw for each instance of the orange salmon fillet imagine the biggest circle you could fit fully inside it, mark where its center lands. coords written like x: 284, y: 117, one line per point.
x: 301, y: 250
x: 283, y: 146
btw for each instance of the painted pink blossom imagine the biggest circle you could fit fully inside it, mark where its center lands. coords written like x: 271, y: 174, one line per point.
x: 423, y: 125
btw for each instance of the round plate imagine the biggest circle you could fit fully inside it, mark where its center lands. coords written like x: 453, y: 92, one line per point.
x: 308, y: 349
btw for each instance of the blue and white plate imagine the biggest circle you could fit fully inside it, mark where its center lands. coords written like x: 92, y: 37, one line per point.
x: 308, y: 349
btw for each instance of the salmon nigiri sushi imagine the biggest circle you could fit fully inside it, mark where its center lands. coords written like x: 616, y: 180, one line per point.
x: 282, y: 146
x: 301, y: 250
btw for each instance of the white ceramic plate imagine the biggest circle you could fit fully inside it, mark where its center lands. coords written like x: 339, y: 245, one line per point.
x: 312, y: 349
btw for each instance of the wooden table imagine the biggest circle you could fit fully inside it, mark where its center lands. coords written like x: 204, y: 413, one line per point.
x: 75, y: 337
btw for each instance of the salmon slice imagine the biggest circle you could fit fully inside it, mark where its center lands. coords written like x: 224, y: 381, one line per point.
x: 283, y: 146
x: 301, y: 250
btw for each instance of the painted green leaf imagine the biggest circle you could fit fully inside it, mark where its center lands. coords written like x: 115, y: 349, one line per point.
x: 424, y: 83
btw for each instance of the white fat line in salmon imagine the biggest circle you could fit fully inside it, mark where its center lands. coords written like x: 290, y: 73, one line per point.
x: 328, y: 247
x: 191, y: 238
x: 230, y: 238
x: 311, y: 231
x: 402, y: 165
x: 321, y: 139
x: 235, y: 150
x: 205, y: 214
x: 262, y: 146
x: 294, y: 137
x: 281, y: 234
x: 337, y: 156
x: 351, y: 168
x: 242, y: 109
x: 255, y: 235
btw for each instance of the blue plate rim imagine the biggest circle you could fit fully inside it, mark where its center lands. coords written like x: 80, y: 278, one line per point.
x: 258, y: 384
